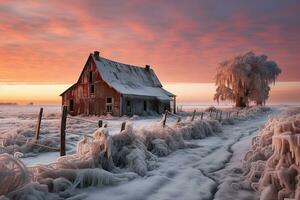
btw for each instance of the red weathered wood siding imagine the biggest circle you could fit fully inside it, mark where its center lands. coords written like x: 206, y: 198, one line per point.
x: 91, y: 104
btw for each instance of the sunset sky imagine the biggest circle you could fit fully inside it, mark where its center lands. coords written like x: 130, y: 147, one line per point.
x: 44, y: 44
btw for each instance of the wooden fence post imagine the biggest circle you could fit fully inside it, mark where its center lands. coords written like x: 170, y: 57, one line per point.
x: 178, y: 120
x: 63, y: 131
x: 38, y: 126
x: 100, y: 123
x: 220, y: 117
x: 123, y: 126
x: 216, y: 115
x: 165, y: 118
x: 202, y: 115
x: 193, y: 117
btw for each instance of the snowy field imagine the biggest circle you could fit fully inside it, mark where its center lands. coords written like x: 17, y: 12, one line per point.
x: 205, y: 169
x: 22, y: 120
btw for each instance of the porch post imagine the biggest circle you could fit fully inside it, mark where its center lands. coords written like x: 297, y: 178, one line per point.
x: 121, y: 106
x: 174, y: 104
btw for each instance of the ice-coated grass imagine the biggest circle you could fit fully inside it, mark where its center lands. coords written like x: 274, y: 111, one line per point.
x: 272, y: 165
x: 131, y: 150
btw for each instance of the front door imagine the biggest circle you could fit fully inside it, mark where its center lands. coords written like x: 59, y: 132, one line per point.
x: 128, y: 106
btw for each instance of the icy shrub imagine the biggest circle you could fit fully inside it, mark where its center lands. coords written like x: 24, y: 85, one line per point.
x: 160, y: 147
x: 61, y: 184
x: 242, y: 114
x: 98, y: 177
x: 272, y: 166
x: 228, y: 121
x: 13, y: 174
x: 32, y: 191
x: 21, y: 140
x: 124, y: 138
x: 137, y: 145
x: 199, y: 129
x: 136, y: 160
x: 252, y: 112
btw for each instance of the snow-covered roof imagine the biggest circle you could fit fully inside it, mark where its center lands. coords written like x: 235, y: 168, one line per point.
x: 131, y: 80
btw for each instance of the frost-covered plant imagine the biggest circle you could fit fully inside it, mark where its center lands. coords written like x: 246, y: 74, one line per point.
x: 160, y: 147
x: 21, y: 141
x: 272, y: 166
x: 246, y: 78
x: 13, y: 174
x: 33, y: 191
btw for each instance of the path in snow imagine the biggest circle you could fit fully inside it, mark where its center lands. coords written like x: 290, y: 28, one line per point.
x: 205, y: 172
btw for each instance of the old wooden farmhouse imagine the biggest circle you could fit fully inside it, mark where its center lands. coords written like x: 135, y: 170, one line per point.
x: 105, y: 86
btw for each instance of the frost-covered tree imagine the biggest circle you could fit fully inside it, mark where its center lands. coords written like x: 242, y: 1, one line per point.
x: 246, y: 78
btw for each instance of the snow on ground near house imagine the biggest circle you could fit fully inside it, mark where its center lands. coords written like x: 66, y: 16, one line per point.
x: 205, y: 172
x: 23, y: 119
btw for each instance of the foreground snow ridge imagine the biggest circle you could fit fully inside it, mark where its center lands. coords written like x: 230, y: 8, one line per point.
x: 102, y: 160
x: 273, y: 164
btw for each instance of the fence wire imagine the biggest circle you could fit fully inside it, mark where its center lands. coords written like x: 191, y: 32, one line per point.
x: 33, y: 143
x: 84, y: 120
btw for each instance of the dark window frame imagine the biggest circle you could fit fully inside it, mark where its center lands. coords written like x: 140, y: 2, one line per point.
x: 111, y: 100
x: 145, y: 105
x: 109, y: 104
x: 128, y: 106
x: 109, y: 108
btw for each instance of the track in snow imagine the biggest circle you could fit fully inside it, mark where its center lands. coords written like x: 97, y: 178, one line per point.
x: 200, y: 173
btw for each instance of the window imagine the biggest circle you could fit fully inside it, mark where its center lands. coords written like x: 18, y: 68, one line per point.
x: 71, y: 105
x: 91, y: 77
x: 108, y: 100
x: 109, y: 104
x: 92, y: 89
x: 108, y: 108
x: 145, y: 105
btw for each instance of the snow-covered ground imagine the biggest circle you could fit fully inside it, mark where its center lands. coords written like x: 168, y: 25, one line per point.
x: 206, y: 170
x: 23, y: 119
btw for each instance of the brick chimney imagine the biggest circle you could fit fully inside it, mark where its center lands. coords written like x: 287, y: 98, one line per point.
x: 147, y: 67
x: 97, y: 55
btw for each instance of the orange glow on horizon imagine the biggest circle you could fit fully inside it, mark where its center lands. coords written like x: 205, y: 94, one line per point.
x: 26, y: 93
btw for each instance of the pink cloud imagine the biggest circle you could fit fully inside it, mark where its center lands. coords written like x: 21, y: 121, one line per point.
x: 183, y: 42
